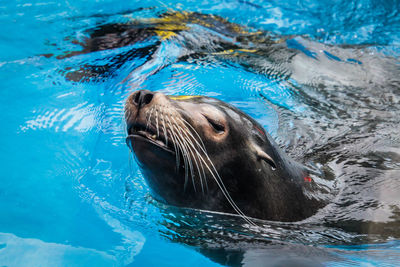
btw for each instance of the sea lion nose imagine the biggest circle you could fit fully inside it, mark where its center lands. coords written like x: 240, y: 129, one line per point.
x: 142, y: 98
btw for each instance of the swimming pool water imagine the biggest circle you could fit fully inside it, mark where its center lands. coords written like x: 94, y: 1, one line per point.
x: 72, y: 195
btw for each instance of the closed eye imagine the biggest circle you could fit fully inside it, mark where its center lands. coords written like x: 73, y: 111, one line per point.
x: 218, y: 127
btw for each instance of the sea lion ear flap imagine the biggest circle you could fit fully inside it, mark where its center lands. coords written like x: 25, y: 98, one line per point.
x: 261, y: 155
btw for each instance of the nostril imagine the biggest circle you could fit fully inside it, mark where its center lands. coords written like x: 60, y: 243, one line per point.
x: 147, y: 98
x: 142, y: 98
x: 136, y: 99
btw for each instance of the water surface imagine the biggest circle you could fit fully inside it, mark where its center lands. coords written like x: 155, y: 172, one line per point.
x: 322, y: 77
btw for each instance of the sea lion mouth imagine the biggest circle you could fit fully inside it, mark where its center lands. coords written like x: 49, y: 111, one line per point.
x: 149, y: 134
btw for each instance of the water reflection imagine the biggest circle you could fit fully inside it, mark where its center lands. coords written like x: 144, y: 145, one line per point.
x: 333, y: 107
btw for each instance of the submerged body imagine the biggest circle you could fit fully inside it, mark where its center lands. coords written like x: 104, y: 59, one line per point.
x: 199, y: 152
x: 349, y: 93
x: 282, y: 58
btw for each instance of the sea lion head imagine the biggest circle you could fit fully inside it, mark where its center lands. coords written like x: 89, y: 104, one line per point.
x: 199, y: 152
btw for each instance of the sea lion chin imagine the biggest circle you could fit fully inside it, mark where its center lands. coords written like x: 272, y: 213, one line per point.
x: 199, y: 152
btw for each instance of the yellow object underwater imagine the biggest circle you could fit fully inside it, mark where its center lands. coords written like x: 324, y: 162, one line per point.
x: 183, y: 97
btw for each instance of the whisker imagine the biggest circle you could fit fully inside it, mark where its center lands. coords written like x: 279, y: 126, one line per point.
x: 197, y: 143
x: 187, y: 147
x: 221, y: 185
x: 186, y: 132
x: 158, y: 133
x: 174, y: 142
x: 184, y: 155
x: 148, y: 118
x: 194, y: 130
x: 163, y: 124
x: 127, y: 117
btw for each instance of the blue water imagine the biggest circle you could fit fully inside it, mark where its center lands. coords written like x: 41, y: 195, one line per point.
x: 72, y: 195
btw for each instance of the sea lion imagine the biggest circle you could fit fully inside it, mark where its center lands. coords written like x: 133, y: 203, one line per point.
x: 199, y: 152
x: 186, y: 36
